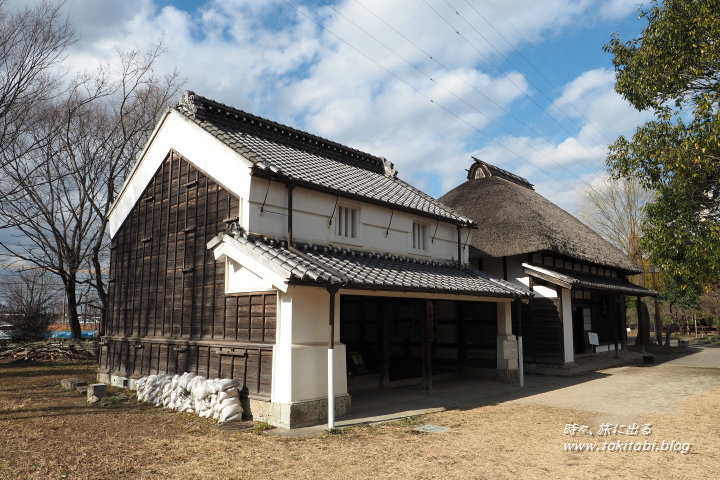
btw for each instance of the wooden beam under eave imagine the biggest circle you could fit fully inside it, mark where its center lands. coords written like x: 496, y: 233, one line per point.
x: 427, y: 339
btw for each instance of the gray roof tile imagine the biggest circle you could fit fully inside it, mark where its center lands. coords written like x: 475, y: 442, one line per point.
x: 611, y: 284
x: 291, y: 154
x: 358, y: 269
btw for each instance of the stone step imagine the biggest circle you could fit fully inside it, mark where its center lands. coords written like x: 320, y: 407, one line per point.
x: 72, y: 383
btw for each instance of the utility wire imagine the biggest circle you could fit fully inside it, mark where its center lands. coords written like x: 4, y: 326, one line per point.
x: 457, y: 31
x: 431, y: 57
x: 437, y: 103
x: 550, y: 64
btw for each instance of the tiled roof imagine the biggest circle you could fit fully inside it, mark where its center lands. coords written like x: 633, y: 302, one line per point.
x: 574, y: 279
x: 289, y: 154
x: 365, y: 270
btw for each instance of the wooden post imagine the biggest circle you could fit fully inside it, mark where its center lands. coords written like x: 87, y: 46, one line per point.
x: 641, y: 329
x: 331, y: 349
x: 658, y: 327
x: 616, y: 326
x: 521, y: 366
x: 427, y: 339
x: 385, y: 328
x: 459, y: 246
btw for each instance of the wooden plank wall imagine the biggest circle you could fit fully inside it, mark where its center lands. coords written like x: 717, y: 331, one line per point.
x: 168, y: 309
x: 542, y: 331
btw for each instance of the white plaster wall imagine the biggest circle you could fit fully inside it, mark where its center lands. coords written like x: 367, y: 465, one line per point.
x: 546, y: 292
x: 515, y: 272
x: 239, y: 279
x: 175, y: 131
x: 312, y: 212
x: 300, y: 357
x: 567, y: 325
x: 493, y: 266
x: 504, y: 318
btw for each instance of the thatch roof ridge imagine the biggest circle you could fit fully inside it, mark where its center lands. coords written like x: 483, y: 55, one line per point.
x: 513, y: 220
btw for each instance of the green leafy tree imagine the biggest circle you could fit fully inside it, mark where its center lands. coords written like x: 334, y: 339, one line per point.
x: 680, y: 298
x: 673, y: 69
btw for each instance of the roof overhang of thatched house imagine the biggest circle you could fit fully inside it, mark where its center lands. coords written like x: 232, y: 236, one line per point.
x: 514, y: 219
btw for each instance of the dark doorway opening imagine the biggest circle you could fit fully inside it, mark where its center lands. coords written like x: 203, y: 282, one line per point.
x: 384, y: 338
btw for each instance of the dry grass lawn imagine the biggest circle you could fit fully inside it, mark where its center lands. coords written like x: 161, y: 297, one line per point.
x: 47, y: 433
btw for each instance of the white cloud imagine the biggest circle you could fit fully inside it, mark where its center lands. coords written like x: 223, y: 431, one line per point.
x: 360, y: 88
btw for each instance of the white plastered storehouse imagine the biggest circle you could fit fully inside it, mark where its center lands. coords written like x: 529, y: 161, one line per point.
x: 246, y: 249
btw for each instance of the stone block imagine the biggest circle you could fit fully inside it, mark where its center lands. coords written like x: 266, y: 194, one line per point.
x: 72, y: 383
x: 95, y: 392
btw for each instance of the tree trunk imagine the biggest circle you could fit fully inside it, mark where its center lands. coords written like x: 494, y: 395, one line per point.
x: 643, y: 337
x: 668, y: 334
x: 100, y: 288
x: 71, y: 294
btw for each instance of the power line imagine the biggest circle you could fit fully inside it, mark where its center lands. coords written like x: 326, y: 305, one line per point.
x: 589, y: 122
x: 548, y: 62
x: 433, y: 58
x: 508, y: 78
x: 437, y: 103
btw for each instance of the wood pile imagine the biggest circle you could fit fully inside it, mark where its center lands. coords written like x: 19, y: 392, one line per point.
x: 46, y: 353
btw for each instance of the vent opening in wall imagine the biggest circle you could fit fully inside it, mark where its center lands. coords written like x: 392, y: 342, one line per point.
x: 419, y: 236
x: 346, y: 222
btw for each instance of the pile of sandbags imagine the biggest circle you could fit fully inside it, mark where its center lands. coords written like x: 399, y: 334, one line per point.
x: 218, y: 398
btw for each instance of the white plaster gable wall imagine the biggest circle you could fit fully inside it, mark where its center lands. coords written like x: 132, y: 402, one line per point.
x: 545, y: 292
x: 312, y: 211
x: 493, y: 266
x: 300, y: 358
x: 228, y: 249
x: 517, y: 275
x: 176, y: 132
x: 239, y: 279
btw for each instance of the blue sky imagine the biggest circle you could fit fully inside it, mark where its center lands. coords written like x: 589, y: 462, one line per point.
x: 522, y: 84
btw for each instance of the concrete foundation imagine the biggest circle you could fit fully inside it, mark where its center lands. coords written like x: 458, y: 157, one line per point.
x: 298, y: 414
x: 508, y: 376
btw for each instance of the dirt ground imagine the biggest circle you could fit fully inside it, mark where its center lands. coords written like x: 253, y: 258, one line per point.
x: 46, y: 432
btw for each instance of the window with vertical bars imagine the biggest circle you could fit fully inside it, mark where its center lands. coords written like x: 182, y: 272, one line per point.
x: 419, y: 236
x: 346, y: 222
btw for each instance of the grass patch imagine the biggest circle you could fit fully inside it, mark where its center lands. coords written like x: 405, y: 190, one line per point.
x: 261, y: 428
x: 709, y: 340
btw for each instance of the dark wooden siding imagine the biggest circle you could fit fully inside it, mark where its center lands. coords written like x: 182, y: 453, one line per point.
x: 542, y: 332
x: 168, y: 309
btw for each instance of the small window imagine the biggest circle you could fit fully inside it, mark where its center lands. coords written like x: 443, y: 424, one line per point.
x: 419, y: 236
x: 346, y: 222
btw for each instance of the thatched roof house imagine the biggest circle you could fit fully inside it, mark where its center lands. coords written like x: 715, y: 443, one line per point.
x: 514, y: 219
x: 579, y: 279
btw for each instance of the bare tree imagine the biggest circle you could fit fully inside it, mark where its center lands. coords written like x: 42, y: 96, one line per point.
x: 33, y: 42
x: 61, y: 191
x: 28, y: 296
x: 615, y: 208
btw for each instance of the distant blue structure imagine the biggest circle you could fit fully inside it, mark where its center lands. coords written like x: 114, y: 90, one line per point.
x: 85, y: 334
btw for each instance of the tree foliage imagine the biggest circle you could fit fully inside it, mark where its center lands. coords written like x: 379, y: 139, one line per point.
x: 673, y: 69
